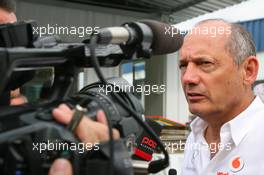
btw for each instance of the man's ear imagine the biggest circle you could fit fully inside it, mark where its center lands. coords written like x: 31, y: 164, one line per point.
x: 250, y: 69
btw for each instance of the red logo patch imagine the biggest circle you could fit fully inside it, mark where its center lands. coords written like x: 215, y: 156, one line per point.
x: 236, y: 164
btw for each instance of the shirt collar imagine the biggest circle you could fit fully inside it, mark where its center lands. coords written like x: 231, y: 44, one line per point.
x: 239, y: 125
x: 198, y: 126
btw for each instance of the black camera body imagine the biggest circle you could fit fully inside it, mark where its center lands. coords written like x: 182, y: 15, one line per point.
x: 29, y: 134
x: 27, y: 137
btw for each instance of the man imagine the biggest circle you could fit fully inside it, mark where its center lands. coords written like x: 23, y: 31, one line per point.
x: 88, y: 131
x: 217, y: 73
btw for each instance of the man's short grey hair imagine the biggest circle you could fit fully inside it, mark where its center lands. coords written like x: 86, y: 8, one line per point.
x: 240, y: 44
x: 8, y: 5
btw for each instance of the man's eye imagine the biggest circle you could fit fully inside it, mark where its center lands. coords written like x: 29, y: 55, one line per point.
x: 205, y: 62
x: 206, y: 65
x: 182, y: 66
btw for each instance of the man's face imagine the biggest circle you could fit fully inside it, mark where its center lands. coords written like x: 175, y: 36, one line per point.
x: 7, y: 17
x: 211, y: 81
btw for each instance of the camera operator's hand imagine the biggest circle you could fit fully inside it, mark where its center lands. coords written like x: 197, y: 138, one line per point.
x: 88, y: 131
x: 61, y: 167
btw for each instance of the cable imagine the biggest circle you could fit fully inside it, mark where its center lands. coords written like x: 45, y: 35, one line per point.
x: 111, y: 148
x: 159, y: 164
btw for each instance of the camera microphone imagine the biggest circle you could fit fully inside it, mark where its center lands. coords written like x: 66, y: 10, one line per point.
x: 148, y: 33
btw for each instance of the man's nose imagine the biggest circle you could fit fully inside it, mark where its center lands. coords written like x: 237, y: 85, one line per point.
x: 190, y: 75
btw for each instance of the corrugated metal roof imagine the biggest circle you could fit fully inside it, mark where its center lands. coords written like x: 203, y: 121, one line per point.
x: 200, y: 8
x: 256, y: 28
x: 173, y: 11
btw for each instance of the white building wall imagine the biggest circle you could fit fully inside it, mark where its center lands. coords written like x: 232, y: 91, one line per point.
x: 176, y: 104
x: 260, y: 57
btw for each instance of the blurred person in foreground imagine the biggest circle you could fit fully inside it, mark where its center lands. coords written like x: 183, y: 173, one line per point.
x: 88, y: 131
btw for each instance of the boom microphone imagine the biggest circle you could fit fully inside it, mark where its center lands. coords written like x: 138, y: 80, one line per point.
x: 148, y: 33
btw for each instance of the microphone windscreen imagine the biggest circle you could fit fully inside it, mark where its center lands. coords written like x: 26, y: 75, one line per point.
x: 164, y: 42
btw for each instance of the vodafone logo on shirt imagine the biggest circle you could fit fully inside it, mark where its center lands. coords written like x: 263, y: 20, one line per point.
x: 236, y: 164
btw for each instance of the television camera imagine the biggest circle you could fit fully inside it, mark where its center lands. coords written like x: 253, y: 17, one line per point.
x: 24, y: 127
